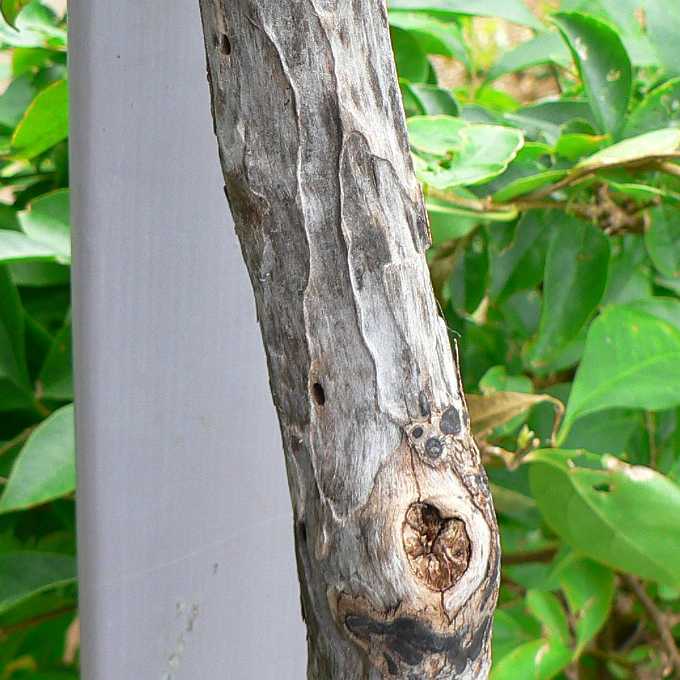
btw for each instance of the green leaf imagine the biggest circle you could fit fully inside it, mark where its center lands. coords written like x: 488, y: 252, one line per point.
x: 47, y: 220
x: 512, y: 10
x: 56, y: 375
x: 17, y: 247
x: 631, y: 360
x: 536, y: 660
x: 519, y: 266
x: 44, y: 123
x: 45, y: 467
x: 469, y: 154
x: 429, y: 99
x: 603, y: 64
x: 659, y: 109
x: 549, y: 611
x: 624, y: 516
x: 662, y: 18
x: 662, y: 239
x: 11, y: 8
x: 510, y: 630
x: 650, y: 145
x: 432, y: 35
x: 27, y: 573
x: 545, y: 48
x: 574, y: 146
x: 15, y: 388
x: 36, y: 26
x: 447, y: 222
x: 589, y: 589
x: 412, y: 64
x: 573, y: 284
x: 525, y: 185
x: 14, y: 100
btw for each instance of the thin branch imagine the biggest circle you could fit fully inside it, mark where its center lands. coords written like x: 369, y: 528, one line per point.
x: 542, y: 555
x: 35, y: 620
x: 19, y: 439
x: 658, y: 617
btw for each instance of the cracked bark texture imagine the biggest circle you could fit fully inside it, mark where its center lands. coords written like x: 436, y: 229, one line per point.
x: 396, y: 538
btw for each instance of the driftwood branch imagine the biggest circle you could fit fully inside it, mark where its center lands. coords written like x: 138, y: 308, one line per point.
x: 396, y: 538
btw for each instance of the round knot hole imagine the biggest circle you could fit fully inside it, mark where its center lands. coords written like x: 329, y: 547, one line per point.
x: 437, y: 548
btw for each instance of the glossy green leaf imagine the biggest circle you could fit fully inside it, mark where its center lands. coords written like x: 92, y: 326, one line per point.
x: 411, y: 61
x: 15, y: 388
x: 430, y: 100
x: 14, y: 101
x: 47, y: 220
x: 45, y: 122
x: 546, y: 47
x: 519, y: 265
x: 631, y: 360
x: 510, y: 630
x: 662, y: 18
x: 45, y: 467
x: 589, y: 589
x: 10, y: 9
x: 467, y: 153
x: 536, y: 660
x: 512, y: 10
x: 36, y: 26
x: 659, y: 109
x: 17, y: 247
x: 573, y: 284
x: 28, y: 573
x: 574, y: 146
x: 432, y: 35
x: 658, y: 143
x: 662, y: 239
x: 547, y: 609
x: 624, y: 516
x: 603, y: 64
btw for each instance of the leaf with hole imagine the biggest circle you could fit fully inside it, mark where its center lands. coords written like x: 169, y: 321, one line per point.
x: 45, y: 467
x: 624, y: 516
x: 465, y: 154
x: 603, y: 64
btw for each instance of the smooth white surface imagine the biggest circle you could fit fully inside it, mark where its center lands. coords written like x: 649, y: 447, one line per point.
x: 186, y: 553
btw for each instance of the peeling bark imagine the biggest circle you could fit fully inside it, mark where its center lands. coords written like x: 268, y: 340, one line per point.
x: 396, y: 539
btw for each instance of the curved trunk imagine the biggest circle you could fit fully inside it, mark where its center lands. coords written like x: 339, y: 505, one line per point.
x: 396, y: 539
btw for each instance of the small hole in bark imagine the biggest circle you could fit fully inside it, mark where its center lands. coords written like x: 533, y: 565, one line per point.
x: 318, y: 394
x: 434, y: 447
x: 437, y: 548
x: 302, y: 530
x: 225, y: 44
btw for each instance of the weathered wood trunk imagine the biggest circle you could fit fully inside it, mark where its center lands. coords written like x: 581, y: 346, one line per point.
x: 397, y: 544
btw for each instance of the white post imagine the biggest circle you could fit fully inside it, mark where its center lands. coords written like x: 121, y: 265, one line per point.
x: 185, y: 529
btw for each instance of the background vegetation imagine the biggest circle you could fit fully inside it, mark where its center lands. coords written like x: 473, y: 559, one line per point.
x: 548, y: 144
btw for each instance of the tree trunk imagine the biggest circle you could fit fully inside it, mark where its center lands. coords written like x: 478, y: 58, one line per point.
x: 396, y: 539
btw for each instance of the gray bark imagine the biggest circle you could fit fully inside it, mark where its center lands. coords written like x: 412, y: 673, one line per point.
x: 396, y: 540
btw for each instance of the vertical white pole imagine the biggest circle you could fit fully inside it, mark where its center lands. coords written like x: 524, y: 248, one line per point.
x: 185, y: 530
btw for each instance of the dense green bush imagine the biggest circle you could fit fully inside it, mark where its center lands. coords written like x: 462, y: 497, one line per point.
x: 556, y: 260
x: 38, y: 628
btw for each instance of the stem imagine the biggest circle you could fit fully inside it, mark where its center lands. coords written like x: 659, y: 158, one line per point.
x: 658, y: 617
x: 19, y: 439
x: 35, y: 620
x: 650, y: 426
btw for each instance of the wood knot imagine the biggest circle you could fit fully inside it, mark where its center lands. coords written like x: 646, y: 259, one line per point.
x: 438, y: 549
